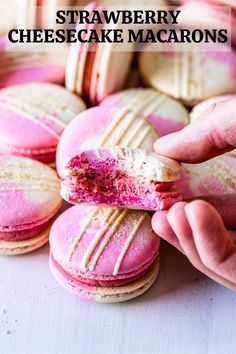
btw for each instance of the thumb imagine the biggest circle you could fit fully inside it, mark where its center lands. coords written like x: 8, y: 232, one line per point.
x: 212, y: 134
x: 214, y: 245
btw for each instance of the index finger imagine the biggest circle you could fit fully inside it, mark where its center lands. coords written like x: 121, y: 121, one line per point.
x: 212, y: 134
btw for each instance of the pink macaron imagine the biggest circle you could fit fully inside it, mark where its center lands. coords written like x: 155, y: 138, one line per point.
x: 94, y: 70
x: 29, y: 200
x: 33, y: 117
x: 19, y: 67
x: 106, y: 255
x: 166, y: 114
x: 121, y: 177
x: 214, y: 177
x: 104, y: 127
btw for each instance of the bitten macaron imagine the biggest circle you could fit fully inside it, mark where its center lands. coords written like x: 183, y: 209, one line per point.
x: 29, y: 200
x: 104, y: 127
x: 123, y: 178
x: 166, y: 114
x: 104, y: 255
x: 33, y: 117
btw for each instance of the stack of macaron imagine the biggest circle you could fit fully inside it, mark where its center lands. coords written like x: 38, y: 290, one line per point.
x: 108, y: 169
x: 102, y: 248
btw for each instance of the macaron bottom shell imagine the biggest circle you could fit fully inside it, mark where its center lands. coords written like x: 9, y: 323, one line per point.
x: 14, y: 248
x: 105, y: 294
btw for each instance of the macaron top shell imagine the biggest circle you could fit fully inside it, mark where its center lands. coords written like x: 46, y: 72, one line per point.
x: 19, y: 67
x: 101, y: 243
x: 166, y: 114
x: 214, y: 177
x: 204, y: 105
x: 33, y: 116
x: 104, y: 127
x: 29, y: 193
x: 190, y: 75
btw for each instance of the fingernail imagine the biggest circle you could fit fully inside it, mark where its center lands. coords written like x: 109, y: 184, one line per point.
x: 165, y: 139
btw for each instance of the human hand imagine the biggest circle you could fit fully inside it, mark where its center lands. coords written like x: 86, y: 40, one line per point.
x: 197, y: 228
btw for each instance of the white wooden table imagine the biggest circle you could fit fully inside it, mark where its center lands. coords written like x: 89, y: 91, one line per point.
x: 184, y: 312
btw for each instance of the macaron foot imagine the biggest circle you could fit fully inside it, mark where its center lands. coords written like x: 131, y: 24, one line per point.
x: 106, y: 294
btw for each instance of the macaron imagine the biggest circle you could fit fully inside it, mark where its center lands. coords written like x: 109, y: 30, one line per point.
x: 94, y: 70
x: 104, y: 127
x: 166, y: 114
x: 33, y: 117
x: 191, y: 76
x: 29, y: 200
x: 216, y: 16
x: 203, y: 106
x: 123, y: 178
x: 19, y: 67
x: 104, y: 254
x: 214, y: 177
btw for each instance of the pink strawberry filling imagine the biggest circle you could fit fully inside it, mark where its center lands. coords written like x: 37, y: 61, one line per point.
x: 104, y: 183
x: 8, y: 234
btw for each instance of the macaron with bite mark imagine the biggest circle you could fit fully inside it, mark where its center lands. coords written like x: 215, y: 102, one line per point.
x: 122, y: 178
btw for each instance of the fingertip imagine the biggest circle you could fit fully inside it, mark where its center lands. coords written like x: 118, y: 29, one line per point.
x: 162, y: 145
x: 209, y: 233
x: 175, y: 212
x: 162, y: 228
x: 159, y: 222
x: 202, y: 214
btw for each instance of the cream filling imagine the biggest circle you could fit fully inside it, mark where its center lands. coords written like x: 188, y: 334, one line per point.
x: 139, y: 162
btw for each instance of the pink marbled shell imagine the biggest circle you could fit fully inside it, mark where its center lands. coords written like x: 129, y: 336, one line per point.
x: 69, y: 255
